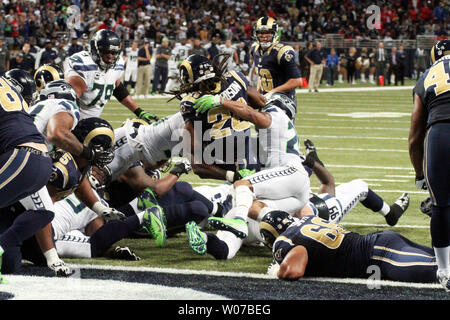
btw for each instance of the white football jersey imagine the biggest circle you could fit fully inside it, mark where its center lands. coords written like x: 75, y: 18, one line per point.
x: 100, y: 84
x: 159, y: 141
x: 278, y: 143
x: 132, y: 58
x: 124, y: 155
x: 148, y: 143
x: 43, y: 111
x: 180, y: 52
x: 71, y: 214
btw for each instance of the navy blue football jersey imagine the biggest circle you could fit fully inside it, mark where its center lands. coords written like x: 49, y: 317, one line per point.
x: 433, y: 88
x: 274, y: 67
x: 332, y: 250
x: 226, y: 138
x: 16, y: 125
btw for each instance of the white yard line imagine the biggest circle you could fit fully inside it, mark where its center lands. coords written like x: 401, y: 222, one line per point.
x: 259, y: 276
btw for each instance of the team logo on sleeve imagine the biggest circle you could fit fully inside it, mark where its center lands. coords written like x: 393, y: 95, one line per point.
x: 288, y: 57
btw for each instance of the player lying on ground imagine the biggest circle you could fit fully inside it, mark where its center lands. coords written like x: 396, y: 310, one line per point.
x: 314, y: 247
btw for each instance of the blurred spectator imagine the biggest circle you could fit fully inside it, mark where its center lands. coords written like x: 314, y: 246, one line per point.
x: 74, y: 47
x: 381, y: 60
x: 230, y: 49
x: 47, y: 55
x: 28, y: 60
x: 131, y: 69
x: 401, y: 64
x: 372, y: 68
x: 351, y: 65
x: 197, y: 48
x: 4, y: 58
x: 161, y: 72
x: 212, y: 48
x: 421, y: 59
x: 362, y: 64
x: 16, y: 62
x: 392, y: 65
x: 315, y: 57
x: 62, y: 52
x: 144, y: 69
x: 332, y: 64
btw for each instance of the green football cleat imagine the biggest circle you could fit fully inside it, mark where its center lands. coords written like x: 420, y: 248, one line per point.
x: 155, y: 224
x: 2, y: 279
x: 196, y: 238
x: 146, y: 199
x: 236, y: 226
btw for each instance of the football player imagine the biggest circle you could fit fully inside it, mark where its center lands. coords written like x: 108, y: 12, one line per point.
x: 139, y: 148
x: 46, y: 74
x: 95, y: 76
x: 429, y: 150
x: 26, y: 167
x: 333, y: 203
x: 274, y: 63
x: 283, y: 182
x: 217, y: 143
x: 131, y: 65
x: 315, y: 247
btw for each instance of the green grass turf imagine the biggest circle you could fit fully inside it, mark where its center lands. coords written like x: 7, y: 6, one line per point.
x: 376, y: 148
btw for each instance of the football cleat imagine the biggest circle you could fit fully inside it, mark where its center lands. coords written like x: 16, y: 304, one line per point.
x: 311, y: 154
x: 146, y: 199
x: 196, y: 238
x: 444, y: 280
x: 155, y: 224
x: 236, y: 226
x: 2, y: 279
x: 123, y: 253
x: 425, y: 206
x: 397, y: 209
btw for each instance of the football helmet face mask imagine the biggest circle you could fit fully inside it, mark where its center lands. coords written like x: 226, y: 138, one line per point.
x: 440, y: 49
x: 47, y: 73
x: 105, y: 49
x: 273, y: 224
x: 266, y: 26
x: 282, y: 101
x: 95, y: 133
x: 24, y: 83
x: 58, y: 89
x: 196, y: 68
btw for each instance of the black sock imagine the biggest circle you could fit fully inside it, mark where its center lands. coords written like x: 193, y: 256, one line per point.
x: 112, y: 232
x: 216, y: 247
x: 373, y: 201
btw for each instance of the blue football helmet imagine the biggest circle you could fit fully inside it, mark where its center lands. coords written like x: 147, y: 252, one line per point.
x: 24, y: 83
x: 58, y: 89
x: 273, y: 224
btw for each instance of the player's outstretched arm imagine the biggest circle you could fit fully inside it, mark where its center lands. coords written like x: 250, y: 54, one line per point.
x: 294, y: 264
x: 292, y: 83
x: 59, y: 133
x: 416, y: 139
x: 123, y: 96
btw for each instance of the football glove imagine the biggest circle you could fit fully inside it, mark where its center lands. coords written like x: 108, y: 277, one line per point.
x: 123, y: 253
x: 425, y: 206
x: 146, y: 116
x: 273, y: 268
x: 60, y: 268
x: 112, y: 214
x: 238, y: 175
x: 207, y: 102
x: 97, y: 156
x: 421, y: 183
x: 180, y: 168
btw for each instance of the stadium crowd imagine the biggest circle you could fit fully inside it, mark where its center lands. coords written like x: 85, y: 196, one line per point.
x: 30, y: 29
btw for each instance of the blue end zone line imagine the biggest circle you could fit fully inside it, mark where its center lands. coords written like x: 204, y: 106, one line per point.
x: 368, y: 282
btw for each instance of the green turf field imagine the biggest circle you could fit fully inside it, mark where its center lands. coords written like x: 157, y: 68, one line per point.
x: 358, y: 135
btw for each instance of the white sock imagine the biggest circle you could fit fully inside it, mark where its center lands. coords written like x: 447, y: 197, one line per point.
x: 244, y: 200
x: 385, y: 209
x: 140, y: 216
x: 442, y: 259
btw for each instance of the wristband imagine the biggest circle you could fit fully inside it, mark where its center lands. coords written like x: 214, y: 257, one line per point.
x: 98, y: 208
x: 229, y: 176
x: 51, y: 256
x: 138, y: 111
x: 86, y: 153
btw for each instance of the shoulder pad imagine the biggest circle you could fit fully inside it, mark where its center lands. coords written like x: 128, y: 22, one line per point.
x: 282, y: 50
